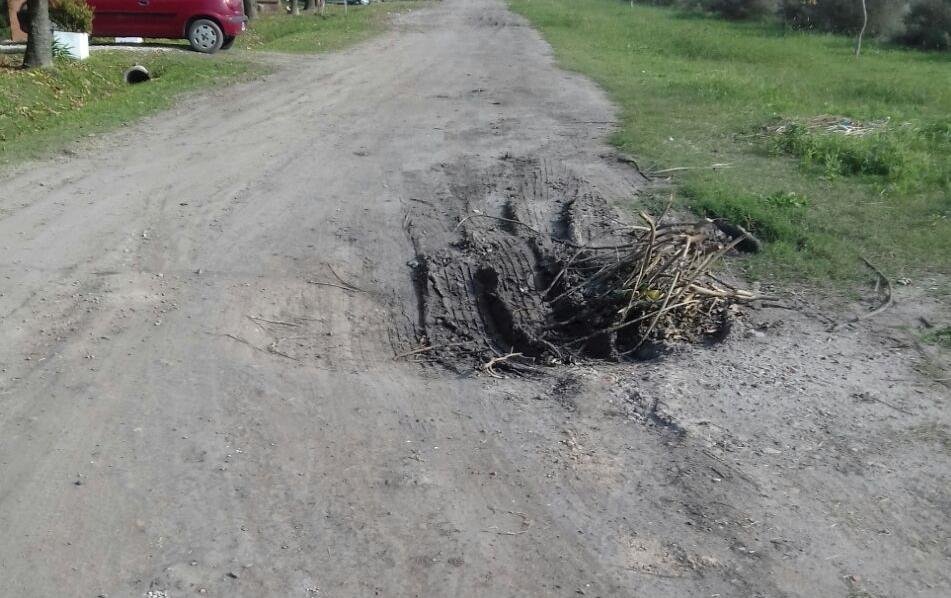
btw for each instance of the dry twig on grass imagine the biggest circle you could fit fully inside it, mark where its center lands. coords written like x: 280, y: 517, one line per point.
x: 684, y: 168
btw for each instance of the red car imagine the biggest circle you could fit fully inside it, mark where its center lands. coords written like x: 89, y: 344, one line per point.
x: 208, y: 25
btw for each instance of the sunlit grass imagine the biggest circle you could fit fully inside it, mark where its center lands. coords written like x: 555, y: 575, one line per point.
x: 44, y: 108
x: 696, y: 91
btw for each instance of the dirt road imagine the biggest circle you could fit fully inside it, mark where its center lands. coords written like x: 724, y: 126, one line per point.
x: 188, y: 405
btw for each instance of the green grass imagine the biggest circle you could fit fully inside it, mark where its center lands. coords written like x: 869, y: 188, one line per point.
x: 939, y: 336
x: 696, y: 91
x: 41, y: 110
x: 312, y: 33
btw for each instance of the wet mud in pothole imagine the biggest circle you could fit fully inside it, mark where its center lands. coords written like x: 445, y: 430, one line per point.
x: 523, y: 266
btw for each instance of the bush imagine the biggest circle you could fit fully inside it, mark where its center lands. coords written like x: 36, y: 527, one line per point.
x: 928, y: 25
x: 71, y: 15
x: 843, y: 16
x: 895, y: 156
x: 739, y: 9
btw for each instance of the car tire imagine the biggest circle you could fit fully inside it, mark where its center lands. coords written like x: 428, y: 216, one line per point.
x: 205, y: 36
x: 229, y: 41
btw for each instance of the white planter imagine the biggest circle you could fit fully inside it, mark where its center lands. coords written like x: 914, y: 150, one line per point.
x: 76, y: 43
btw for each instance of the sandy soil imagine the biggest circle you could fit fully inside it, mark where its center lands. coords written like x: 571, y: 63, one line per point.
x: 184, y: 410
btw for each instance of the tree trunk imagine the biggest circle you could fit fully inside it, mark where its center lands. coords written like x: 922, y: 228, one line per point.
x: 251, y: 9
x: 309, y: 5
x: 320, y: 6
x: 295, y: 8
x: 858, y: 45
x: 39, y: 47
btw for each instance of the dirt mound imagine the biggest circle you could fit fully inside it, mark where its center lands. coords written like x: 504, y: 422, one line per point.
x: 520, y: 266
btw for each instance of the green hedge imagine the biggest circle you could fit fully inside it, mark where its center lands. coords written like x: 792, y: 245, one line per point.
x: 928, y: 25
x: 924, y: 24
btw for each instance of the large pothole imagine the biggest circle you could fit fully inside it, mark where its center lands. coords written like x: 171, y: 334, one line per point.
x: 521, y: 268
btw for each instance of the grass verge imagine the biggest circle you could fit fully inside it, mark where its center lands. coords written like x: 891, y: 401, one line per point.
x: 696, y: 91
x: 41, y: 110
x: 311, y: 32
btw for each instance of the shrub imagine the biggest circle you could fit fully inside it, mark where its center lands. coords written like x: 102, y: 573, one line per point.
x: 71, y: 15
x: 891, y: 155
x: 843, y: 16
x: 928, y: 25
x: 739, y: 9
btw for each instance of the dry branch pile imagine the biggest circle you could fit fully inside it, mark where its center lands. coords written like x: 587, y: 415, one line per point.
x: 613, y: 301
x: 554, y: 278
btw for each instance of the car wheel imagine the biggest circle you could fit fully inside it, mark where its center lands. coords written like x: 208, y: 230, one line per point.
x: 205, y: 36
x: 229, y: 41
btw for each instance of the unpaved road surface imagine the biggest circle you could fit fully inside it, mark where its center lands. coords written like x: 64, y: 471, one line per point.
x: 184, y: 410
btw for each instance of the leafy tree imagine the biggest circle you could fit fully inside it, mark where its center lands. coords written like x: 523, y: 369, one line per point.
x: 844, y: 16
x: 739, y: 9
x: 928, y: 25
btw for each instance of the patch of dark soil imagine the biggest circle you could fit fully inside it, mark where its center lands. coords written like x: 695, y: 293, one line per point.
x: 530, y: 267
x: 565, y: 391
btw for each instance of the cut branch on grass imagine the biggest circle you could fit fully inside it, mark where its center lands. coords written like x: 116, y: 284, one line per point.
x: 684, y: 168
